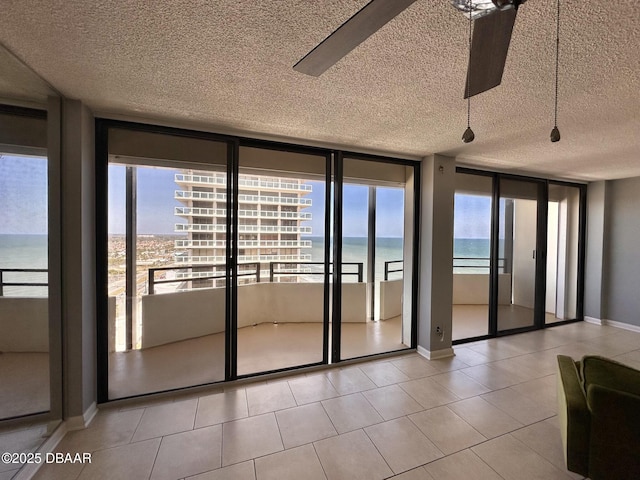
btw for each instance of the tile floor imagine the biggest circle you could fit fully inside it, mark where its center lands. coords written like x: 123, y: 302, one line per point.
x: 487, y: 413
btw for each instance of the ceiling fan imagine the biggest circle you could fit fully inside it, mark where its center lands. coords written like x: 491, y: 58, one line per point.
x: 493, y: 26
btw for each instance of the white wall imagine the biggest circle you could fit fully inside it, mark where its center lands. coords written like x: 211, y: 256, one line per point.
x: 473, y: 289
x: 524, y: 243
x: 391, y: 299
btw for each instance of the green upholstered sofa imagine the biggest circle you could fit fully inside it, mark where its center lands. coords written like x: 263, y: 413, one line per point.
x: 599, y: 413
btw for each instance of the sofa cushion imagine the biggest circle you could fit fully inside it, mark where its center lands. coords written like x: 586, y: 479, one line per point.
x: 609, y: 373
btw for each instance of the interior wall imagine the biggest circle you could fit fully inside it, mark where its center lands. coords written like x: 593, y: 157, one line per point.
x: 595, y: 249
x: 622, y: 258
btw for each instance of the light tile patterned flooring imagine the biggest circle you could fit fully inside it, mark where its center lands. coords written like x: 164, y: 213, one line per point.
x: 489, y: 413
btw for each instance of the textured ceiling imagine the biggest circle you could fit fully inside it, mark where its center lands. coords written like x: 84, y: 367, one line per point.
x: 227, y: 64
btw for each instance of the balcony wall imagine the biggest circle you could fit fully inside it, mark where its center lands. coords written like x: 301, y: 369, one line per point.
x: 24, y: 324
x: 172, y: 317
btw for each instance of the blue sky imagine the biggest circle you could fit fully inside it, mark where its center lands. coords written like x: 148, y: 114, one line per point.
x: 23, y: 195
x: 156, y: 204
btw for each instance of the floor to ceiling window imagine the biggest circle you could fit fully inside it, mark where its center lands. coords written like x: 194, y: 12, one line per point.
x: 167, y: 269
x: 282, y: 314
x: 375, y: 248
x: 472, y: 256
x: 517, y: 262
x: 218, y: 254
x: 24, y: 264
x: 563, y: 253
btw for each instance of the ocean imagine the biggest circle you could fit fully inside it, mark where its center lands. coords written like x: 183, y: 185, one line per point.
x: 30, y: 251
x: 24, y: 251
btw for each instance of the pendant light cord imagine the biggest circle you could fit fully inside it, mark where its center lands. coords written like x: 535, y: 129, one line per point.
x: 470, y: 6
x: 555, y: 118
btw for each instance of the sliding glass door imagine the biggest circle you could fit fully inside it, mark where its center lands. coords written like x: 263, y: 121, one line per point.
x: 520, y: 247
x: 167, y: 262
x: 221, y: 258
x: 377, y: 257
x: 473, y: 202
x: 518, y: 253
x: 283, y: 311
x: 563, y: 253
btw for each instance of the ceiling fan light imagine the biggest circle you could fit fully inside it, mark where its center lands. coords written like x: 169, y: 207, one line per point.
x: 555, y: 135
x: 474, y: 8
x: 468, y: 135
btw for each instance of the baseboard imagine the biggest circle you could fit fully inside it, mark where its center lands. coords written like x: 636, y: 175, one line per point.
x: 435, y: 354
x: 82, y: 421
x: 612, y: 323
x: 622, y: 325
x: 28, y: 471
x: 593, y: 320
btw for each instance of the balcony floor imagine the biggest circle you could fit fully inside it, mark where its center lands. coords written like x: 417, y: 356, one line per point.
x: 473, y: 320
x: 261, y: 348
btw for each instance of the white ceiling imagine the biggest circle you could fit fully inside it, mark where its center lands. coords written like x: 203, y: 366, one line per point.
x: 228, y: 64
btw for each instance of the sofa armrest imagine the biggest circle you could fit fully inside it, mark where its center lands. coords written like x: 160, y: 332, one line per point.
x: 574, y: 416
x: 615, y: 434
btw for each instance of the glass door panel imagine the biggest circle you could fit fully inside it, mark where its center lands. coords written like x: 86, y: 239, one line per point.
x: 282, y: 274
x: 24, y: 290
x: 471, y: 255
x: 376, y: 258
x: 167, y: 262
x: 518, y: 232
x: 562, y: 253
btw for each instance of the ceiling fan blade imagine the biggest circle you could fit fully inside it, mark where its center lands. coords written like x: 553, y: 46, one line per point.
x: 491, y: 38
x: 373, y: 16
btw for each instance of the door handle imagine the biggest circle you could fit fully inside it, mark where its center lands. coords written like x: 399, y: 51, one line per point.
x: 534, y: 255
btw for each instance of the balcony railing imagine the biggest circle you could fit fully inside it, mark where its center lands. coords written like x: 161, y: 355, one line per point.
x: 276, y: 184
x: 477, y: 264
x: 274, y: 271
x: 392, y: 267
x: 199, y: 275
x: 4, y: 283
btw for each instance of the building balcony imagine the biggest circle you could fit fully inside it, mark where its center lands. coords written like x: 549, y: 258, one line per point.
x: 190, y: 227
x: 244, y: 243
x: 210, y: 259
x: 267, y: 183
x: 262, y: 199
x: 242, y: 213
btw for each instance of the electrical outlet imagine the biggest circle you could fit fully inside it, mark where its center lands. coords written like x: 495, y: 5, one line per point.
x: 439, y: 330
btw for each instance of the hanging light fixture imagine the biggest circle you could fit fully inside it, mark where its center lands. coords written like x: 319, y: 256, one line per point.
x: 468, y: 135
x: 555, y: 132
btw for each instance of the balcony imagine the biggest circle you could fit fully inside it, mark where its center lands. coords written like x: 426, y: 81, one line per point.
x: 207, y: 259
x: 244, y: 243
x: 208, y: 227
x: 268, y: 183
x: 242, y: 213
x: 262, y: 199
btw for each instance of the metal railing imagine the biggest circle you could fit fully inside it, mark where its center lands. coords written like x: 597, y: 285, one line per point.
x: 273, y: 272
x: 243, y: 273
x: 387, y: 270
x: 3, y: 283
x: 477, y: 262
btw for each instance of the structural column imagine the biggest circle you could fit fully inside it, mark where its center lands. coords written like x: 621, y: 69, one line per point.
x: 78, y: 263
x: 436, y: 254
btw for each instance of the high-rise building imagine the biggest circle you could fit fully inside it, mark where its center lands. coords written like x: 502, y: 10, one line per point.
x: 271, y: 212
